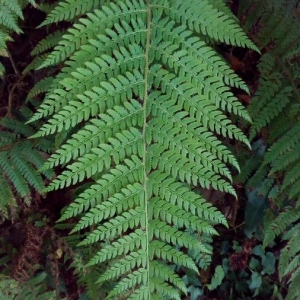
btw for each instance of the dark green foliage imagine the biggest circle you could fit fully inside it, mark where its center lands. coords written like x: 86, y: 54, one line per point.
x: 275, y: 108
x: 10, y: 11
x: 35, y: 288
x: 20, y: 160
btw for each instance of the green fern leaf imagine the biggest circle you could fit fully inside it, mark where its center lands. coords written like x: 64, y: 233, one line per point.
x: 19, y: 161
x: 8, y: 19
x: 280, y: 224
x: 147, y: 100
x: 14, y: 6
x: 294, y: 290
x: 47, y: 43
x: 68, y: 9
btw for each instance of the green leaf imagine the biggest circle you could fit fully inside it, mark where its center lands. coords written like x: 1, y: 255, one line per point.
x: 255, y: 281
x: 268, y: 261
x: 217, y: 278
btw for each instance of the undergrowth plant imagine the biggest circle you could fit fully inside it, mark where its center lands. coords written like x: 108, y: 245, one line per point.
x: 273, y: 25
x: 20, y: 159
x: 11, y: 11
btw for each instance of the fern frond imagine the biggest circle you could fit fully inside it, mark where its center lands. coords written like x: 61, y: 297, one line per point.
x: 286, y: 159
x: 19, y: 161
x: 289, y: 141
x: 280, y: 224
x: 292, y: 175
x: 149, y: 111
x: 8, y: 19
x: 14, y: 6
x: 289, y: 260
x: 294, y: 290
x: 272, y: 109
x: 15, y: 176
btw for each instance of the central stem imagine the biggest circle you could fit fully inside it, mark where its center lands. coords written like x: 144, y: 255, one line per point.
x: 145, y: 175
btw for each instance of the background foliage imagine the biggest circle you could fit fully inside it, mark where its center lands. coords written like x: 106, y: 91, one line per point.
x: 127, y: 122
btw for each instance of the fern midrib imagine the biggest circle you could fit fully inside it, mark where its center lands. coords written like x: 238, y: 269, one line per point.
x: 144, y: 159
